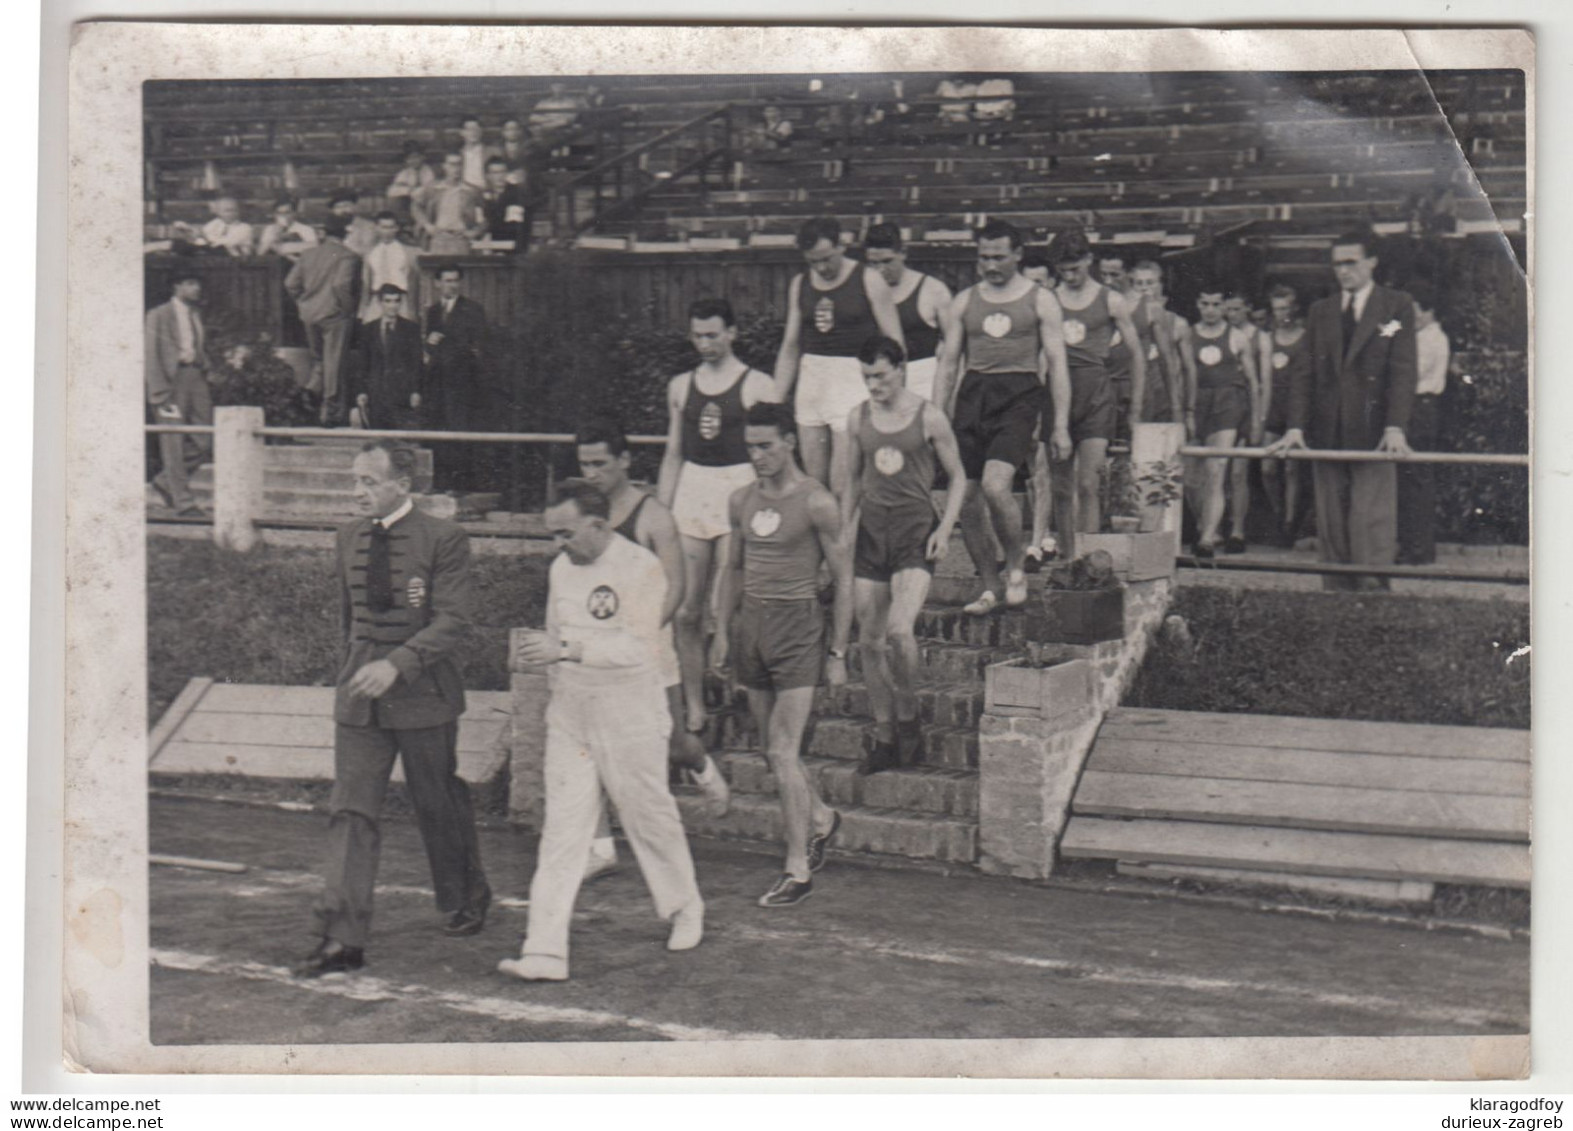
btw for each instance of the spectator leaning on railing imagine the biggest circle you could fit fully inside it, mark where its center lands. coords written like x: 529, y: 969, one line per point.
x: 413, y: 176
x: 286, y: 236
x: 227, y: 230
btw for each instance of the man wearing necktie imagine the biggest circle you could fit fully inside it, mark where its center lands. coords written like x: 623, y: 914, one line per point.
x: 387, y: 381
x: 407, y: 601
x: 455, y: 349
x: 1356, y: 395
x: 177, y: 377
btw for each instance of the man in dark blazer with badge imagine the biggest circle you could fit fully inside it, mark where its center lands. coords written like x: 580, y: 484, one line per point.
x: 407, y: 603
x: 388, y: 378
x: 1356, y: 396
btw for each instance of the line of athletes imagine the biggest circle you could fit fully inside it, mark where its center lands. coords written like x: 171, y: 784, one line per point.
x: 758, y: 504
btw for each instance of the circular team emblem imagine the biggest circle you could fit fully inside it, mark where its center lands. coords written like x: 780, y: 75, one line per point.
x: 1280, y: 359
x: 602, y: 602
x: 1115, y: 339
x: 710, y: 421
x: 416, y: 592
x: 889, y: 460
x: 1075, y: 332
x: 1152, y: 351
x: 825, y: 315
x: 1209, y: 355
x: 997, y: 325
x: 765, y: 522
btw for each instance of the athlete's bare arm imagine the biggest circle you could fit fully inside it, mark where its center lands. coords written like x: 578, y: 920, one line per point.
x: 853, y: 469
x: 937, y: 428
x: 883, y: 304
x: 672, y: 459
x: 1169, y: 352
x: 658, y: 534
x: 758, y: 388
x: 729, y: 582
x: 1051, y: 340
x: 1188, y: 363
x: 826, y: 517
x: 933, y: 297
x: 1123, y: 310
x: 952, y: 344
x: 790, y: 353
x: 1254, y: 387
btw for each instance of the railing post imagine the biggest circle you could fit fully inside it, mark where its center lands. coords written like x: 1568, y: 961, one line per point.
x: 238, y: 458
x: 1155, y: 459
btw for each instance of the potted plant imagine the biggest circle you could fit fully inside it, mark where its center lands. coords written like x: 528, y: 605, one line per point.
x: 1139, y: 548
x: 1084, y: 600
x: 1045, y: 683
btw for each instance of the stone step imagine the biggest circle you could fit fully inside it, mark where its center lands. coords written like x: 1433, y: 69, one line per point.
x: 892, y: 832
x: 296, y: 502
x: 330, y: 455
x: 942, y: 661
x: 919, y: 789
x: 846, y: 740
x: 297, y: 478
x: 957, y: 703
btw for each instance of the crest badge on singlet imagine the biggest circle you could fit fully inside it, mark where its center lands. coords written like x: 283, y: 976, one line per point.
x: 765, y: 522
x: 997, y: 325
x: 1075, y: 332
x: 416, y: 592
x: 1209, y: 355
x: 1280, y: 359
x: 602, y: 602
x: 710, y: 421
x: 889, y: 460
x: 1115, y: 339
x: 825, y: 315
x: 1152, y: 351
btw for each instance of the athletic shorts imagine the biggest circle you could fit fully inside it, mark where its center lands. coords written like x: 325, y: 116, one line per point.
x: 1277, y: 421
x: 1093, y: 407
x: 828, y: 389
x: 891, y: 539
x: 778, y: 645
x: 920, y: 376
x: 699, y: 506
x: 1221, y: 407
x: 996, y: 416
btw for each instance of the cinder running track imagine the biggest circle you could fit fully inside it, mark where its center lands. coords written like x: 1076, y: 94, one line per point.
x: 875, y: 953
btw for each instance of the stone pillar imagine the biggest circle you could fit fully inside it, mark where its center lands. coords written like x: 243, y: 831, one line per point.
x: 527, y: 757
x: 239, y: 455
x: 1154, y: 446
x: 1028, y: 767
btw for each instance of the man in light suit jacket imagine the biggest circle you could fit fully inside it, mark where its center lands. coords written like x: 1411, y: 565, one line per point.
x: 408, y: 601
x: 386, y: 379
x: 177, y: 375
x: 1356, y: 395
x: 324, y: 285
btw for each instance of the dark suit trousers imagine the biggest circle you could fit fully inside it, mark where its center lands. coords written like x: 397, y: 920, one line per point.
x: 362, y: 764
x: 1417, y: 486
x: 328, y: 341
x: 1356, y: 518
x: 183, y: 454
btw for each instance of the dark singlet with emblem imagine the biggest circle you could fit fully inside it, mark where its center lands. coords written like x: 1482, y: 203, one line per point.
x: 781, y: 552
x: 1089, y: 332
x: 922, y: 339
x: 1119, y: 360
x: 713, y: 425
x: 1289, y: 363
x: 629, y: 527
x: 1002, y: 337
x: 1217, y: 363
x: 898, y: 467
x: 836, y: 322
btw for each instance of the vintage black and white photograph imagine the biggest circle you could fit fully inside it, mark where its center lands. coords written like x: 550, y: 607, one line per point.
x: 731, y: 554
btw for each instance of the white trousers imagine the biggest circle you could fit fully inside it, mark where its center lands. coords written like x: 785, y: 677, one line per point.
x: 616, y: 740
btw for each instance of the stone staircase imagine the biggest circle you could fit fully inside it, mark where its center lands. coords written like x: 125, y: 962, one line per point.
x: 309, y: 479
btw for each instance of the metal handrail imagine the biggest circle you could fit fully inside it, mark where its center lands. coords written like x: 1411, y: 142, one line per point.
x: 643, y: 147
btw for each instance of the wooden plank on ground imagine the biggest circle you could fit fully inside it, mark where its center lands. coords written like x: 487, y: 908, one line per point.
x: 1303, y: 851
x: 1235, y: 801
x: 476, y: 732
x: 190, y: 695
x: 272, y: 699
x: 1413, y: 739
x: 1311, y: 767
x: 1343, y: 887
x: 298, y: 763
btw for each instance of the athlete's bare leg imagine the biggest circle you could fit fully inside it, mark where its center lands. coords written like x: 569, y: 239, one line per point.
x: 999, y: 480
x: 689, y: 626
x: 873, y: 609
x: 1239, y: 496
x: 802, y: 810
x: 1040, y: 495
x: 977, y: 532
x: 813, y: 445
x: 685, y: 749
x: 909, y: 588
x: 1214, y: 471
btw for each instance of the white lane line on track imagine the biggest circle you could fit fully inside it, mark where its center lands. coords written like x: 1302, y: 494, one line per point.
x: 268, y: 882
x: 361, y: 987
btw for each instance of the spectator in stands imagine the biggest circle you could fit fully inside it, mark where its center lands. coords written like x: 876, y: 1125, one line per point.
x: 515, y: 150
x: 1417, y: 482
x: 227, y: 230
x: 390, y: 260
x: 958, y: 111
x: 555, y: 115
x: 505, y: 212
x: 475, y: 152
x: 254, y: 374
x: 594, y: 98
x: 286, y: 236
x: 409, y: 180
x: 455, y: 343
x: 447, y: 213
x: 1358, y: 395
x: 994, y: 103
x: 386, y: 380
x: 774, y: 132
x: 360, y: 234
x: 324, y: 284
x: 177, y: 374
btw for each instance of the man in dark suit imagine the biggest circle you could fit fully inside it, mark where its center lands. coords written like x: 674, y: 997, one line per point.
x: 1356, y: 396
x: 455, y: 352
x: 386, y: 379
x: 323, y: 283
x: 407, y: 600
x: 177, y: 374
x: 505, y: 207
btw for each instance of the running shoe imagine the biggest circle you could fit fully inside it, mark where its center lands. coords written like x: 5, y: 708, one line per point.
x: 986, y: 603
x: 818, y: 842
x: 786, y: 892
x: 1016, y: 590
x: 1234, y: 544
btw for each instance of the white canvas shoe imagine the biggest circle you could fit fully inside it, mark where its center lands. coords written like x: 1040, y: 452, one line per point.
x: 535, y: 968
x: 688, y: 927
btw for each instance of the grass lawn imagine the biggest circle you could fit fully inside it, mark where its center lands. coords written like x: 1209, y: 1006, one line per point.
x: 1334, y: 655
x: 272, y: 616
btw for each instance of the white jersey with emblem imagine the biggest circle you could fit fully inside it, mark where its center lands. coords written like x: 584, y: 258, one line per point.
x: 613, y: 607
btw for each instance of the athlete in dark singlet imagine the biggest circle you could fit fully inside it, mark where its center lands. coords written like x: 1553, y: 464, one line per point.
x: 1287, y: 482
x: 919, y: 299
x: 1168, y: 375
x: 898, y: 437
x: 1237, y: 313
x: 1223, y: 402
x: 771, y: 628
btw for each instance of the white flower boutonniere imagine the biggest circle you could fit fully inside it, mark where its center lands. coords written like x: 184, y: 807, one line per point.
x: 1388, y: 329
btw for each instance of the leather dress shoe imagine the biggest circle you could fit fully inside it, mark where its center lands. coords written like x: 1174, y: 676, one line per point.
x: 330, y: 957
x: 470, y: 919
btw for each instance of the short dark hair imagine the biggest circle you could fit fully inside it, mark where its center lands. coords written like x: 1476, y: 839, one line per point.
x: 401, y: 457
x: 1284, y: 290
x: 886, y: 235
x: 1212, y: 287
x: 386, y: 215
x: 344, y: 196
x: 285, y: 201
x: 1112, y: 254
x: 1239, y: 293
x: 880, y: 346
x: 602, y: 430
x: 590, y: 499
x: 1148, y: 265
x: 1362, y: 236
x: 769, y: 414
x: 819, y: 228
x: 1035, y: 256
x: 1424, y: 294
x: 1001, y: 230
x: 390, y: 289
x: 1069, y: 245
x: 413, y: 146
x: 335, y: 227
x: 468, y: 118
x: 490, y: 161
x: 186, y: 276
x: 702, y: 308
x: 447, y: 267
